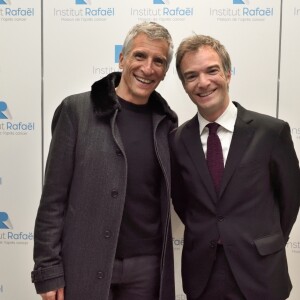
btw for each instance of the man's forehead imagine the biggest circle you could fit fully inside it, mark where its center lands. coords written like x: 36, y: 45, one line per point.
x: 143, y: 43
x: 206, y: 56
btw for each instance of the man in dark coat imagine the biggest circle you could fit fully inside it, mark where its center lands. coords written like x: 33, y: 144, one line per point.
x: 238, y: 208
x: 103, y: 225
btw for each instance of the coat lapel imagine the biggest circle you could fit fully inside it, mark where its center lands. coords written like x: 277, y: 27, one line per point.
x: 242, y: 135
x: 191, y: 140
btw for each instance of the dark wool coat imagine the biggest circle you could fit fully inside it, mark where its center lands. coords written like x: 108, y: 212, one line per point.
x: 80, y: 212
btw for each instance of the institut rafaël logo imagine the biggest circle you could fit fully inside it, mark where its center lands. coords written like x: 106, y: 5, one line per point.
x: 5, y: 222
x: 104, y: 70
x: 6, y: 2
x: 10, y: 236
x: 240, y: 1
x: 4, y: 111
x: 242, y: 11
x: 9, y: 127
x: 10, y: 12
x: 295, y: 131
x: 84, y: 2
x: 163, y: 10
x: 178, y: 243
x: 84, y: 11
x: 118, y: 50
x: 161, y: 1
x: 293, y: 246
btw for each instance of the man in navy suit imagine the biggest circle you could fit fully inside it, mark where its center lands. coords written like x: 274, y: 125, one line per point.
x: 235, y: 230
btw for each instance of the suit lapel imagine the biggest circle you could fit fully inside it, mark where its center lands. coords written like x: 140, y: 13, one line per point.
x: 242, y: 135
x: 191, y: 140
x: 241, y: 138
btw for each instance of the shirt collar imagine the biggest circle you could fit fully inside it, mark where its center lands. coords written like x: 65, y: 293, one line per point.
x: 226, y: 120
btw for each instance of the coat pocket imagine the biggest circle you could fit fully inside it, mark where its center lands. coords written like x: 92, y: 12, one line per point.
x: 270, y: 244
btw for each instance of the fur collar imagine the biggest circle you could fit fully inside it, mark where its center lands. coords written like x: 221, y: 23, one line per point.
x: 105, y: 99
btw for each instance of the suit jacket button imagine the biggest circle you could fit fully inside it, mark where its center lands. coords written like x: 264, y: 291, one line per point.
x: 212, y: 244
x: 100, y: 275
x: 221, y: 218
x: 114, y: 193
x: 118, y: 152
x: 107, y: 234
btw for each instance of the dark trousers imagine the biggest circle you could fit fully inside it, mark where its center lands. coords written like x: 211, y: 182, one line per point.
x: 221, y: 284
x: 136, y: 278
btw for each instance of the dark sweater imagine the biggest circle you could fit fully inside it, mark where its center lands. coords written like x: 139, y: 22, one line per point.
x: 140, y: 232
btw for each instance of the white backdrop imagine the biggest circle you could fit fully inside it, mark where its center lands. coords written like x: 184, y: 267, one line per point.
x: 51, y: 49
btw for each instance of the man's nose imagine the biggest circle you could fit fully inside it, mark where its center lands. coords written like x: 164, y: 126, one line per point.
x: 147, y: 66
x: 203, y: 80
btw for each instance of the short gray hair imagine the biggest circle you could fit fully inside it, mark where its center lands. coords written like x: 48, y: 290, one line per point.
x: 154, y: 31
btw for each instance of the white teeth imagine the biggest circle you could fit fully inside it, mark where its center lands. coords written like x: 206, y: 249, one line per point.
x: 206, y: 94
x: 143, y: 80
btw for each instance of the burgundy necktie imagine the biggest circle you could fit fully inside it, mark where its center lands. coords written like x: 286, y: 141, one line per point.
x: 214, y: 155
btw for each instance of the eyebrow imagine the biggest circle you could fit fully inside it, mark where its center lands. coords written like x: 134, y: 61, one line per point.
x: 188, y: 73
x: 207, y: 68
x: 214, y: 66
x: 146, y: 53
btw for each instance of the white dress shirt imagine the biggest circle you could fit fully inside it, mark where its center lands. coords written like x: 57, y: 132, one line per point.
x: 225, y: 131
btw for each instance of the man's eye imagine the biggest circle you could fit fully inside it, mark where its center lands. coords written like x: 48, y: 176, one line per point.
x: 213, y: 71
x: 139, y: 56
x: 159, y: 62
x: 190, y: 77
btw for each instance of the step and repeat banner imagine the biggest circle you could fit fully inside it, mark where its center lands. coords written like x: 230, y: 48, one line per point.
x: 51, y: 49
x: 20, y: 142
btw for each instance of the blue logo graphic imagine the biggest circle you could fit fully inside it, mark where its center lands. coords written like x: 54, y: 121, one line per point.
x: 161, y: 1
x: 85, y: 2
x: 5, y: 221
x: 240, y: 1
x: 3, y: 2
x: 4, y: 112
x: 118, y: 50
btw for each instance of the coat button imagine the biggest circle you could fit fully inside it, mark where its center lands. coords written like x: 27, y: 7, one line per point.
x: 221, y: 218
x: 212, y: 244
x: 118, y: 152
x: 107, y: 234
x: 114, y: 193
x: 100, y: 275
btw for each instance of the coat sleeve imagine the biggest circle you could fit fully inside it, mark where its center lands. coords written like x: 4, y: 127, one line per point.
x: 48, y: 273
x: 285, y: 176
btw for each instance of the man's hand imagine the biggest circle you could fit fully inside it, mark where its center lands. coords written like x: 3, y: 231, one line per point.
x: 54, y: 295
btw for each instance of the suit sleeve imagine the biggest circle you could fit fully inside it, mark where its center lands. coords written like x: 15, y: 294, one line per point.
x: 48, y: 271
x: 285, y: 176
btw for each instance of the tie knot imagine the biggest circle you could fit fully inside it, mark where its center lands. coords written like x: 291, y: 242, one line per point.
x: 213, y: 127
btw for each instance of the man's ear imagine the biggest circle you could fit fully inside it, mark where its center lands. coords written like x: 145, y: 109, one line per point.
x: 228, y: 78
x: 121, y: 60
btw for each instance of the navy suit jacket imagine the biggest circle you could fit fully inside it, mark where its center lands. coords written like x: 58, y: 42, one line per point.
x: 254, y: 212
